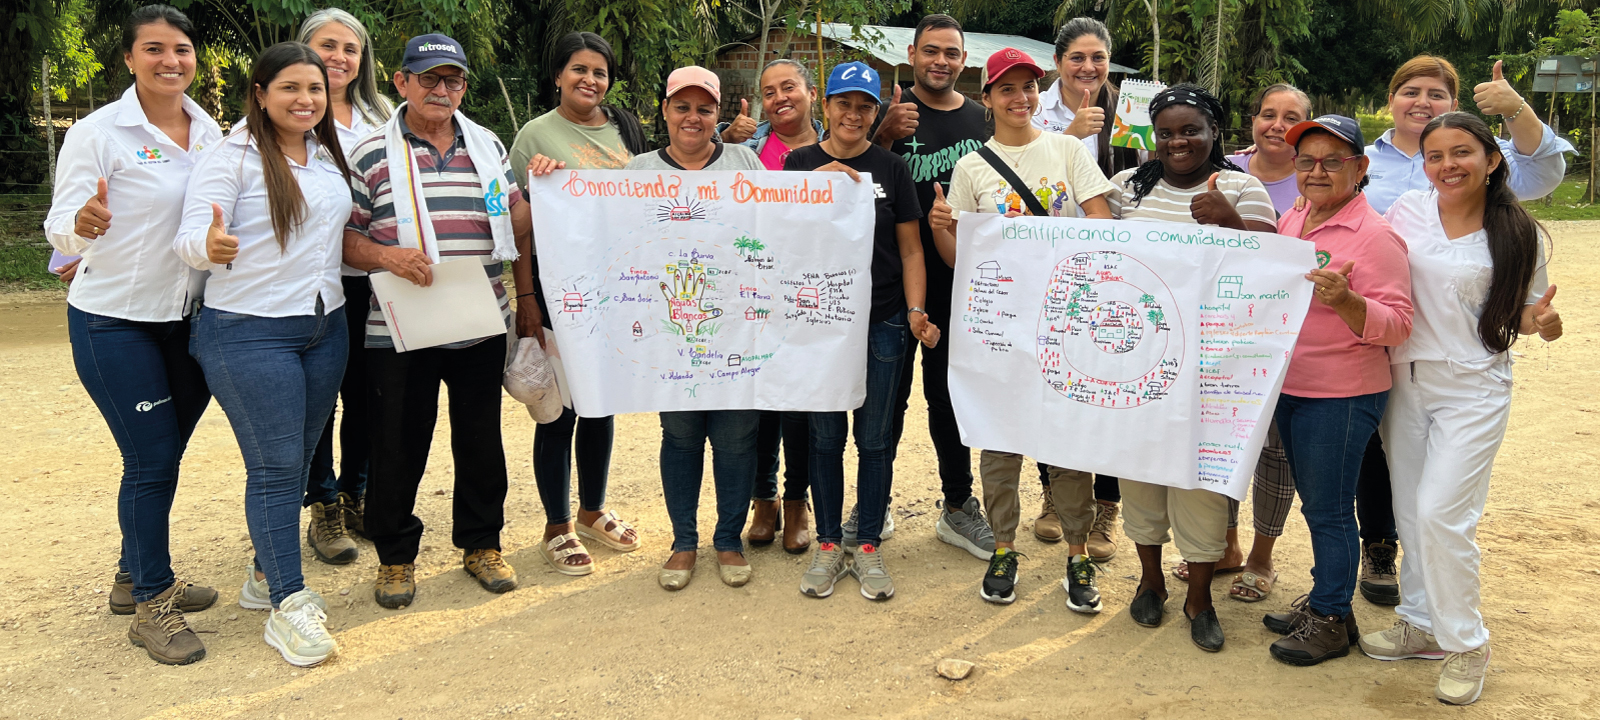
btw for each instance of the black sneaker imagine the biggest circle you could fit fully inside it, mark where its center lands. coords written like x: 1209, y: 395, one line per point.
x: 1082, y: 595
x: 1000, y: 580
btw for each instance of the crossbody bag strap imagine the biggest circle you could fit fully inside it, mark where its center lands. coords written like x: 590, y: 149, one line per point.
x: 1021, y: 188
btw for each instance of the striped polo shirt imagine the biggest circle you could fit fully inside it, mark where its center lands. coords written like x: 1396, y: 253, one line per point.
x: 455, y: 206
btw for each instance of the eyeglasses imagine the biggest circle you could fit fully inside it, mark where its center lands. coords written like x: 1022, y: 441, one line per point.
x: 1303, y: 163
x: 453, y: 83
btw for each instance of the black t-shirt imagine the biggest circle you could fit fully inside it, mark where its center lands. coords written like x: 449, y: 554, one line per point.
x: 942, y: 137
x: 897, y: 203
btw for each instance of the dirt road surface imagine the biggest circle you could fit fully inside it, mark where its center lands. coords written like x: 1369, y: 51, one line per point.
x: 615, y: 645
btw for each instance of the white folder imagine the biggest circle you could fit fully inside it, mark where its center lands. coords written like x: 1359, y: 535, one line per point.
x: 459, y: 305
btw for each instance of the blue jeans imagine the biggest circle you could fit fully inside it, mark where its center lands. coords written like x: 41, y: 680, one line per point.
x: 151, y: 394
x: 355, y: 436
x: 875, y: 420
x: 277, y: 379
x: 1325, y: 439
x: 733, y: 468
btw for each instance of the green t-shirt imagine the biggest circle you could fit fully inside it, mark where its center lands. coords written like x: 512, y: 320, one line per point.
x: 579, y: 146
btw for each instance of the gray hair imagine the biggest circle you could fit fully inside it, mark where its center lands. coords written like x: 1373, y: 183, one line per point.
x: 799, y: 68
x: 363, y: 90
x: 1078, y: 27
x: 1274, y: 89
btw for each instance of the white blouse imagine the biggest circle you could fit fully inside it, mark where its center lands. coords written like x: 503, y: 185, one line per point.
x: 265, y: 279
x: 130, y: 272
x: 1449, y: 286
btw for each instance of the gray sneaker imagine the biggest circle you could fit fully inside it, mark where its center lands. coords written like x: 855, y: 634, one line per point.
x: 966, y: 528
x: 829, y: 564
x: 1461, y: 680
x: 849, y: 526
x: 874, y: 577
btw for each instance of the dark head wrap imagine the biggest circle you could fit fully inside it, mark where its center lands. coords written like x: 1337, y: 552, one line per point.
x: 1150, y: 173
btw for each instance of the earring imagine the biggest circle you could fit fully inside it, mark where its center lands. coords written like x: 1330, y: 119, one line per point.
x: 988, y: 114
x: 1486, y: 181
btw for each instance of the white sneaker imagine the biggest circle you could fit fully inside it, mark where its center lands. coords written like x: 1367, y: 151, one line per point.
x: 297, y: 629
x: 255, y: 595
x: 1461, y: 681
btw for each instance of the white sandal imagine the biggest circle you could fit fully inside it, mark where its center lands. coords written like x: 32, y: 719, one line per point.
x: 557, y: 557
x: 613, y: 538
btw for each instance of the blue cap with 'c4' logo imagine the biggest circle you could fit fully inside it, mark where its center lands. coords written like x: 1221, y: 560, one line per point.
x: 855, y: 77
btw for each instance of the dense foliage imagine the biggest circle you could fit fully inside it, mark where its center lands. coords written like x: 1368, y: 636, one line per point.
x: 1340, y: 51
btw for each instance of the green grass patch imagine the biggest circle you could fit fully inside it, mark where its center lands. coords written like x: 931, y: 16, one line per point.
x: 1566, y: 203
x: 22, y: 267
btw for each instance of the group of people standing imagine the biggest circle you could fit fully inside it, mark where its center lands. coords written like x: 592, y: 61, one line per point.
x: 1392, y: 410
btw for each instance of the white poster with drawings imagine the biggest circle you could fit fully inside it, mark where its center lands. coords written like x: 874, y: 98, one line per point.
x: 707, y: 290
x: 1150, y: 351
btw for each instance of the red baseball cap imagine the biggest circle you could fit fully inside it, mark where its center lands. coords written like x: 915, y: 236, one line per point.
x: 1005, y: 59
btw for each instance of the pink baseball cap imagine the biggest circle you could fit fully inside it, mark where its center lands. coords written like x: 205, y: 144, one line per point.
x: 695, y: 76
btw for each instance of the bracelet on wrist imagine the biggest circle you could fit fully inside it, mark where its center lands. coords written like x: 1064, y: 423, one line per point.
x: 910, y: 310
x: 1517, y: 114
x: 523, y: 295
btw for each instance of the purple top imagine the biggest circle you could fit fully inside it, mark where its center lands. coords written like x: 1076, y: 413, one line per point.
x: 1283, y: 191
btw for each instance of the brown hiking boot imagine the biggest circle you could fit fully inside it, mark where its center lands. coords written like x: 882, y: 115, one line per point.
x: 1101, y: 546
x: 192, y: 598
x: 796, y: 526
x: 490, y: 569
x: 354, y: 511
x: 396, y: 586
x: 764, y: 522
x: 1047, y: 527
x: 158, y: 627
x: 1379, y: 584
x: 1316, y: 638
x: 327, y: 537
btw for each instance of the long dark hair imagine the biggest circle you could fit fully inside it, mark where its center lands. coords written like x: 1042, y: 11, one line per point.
x: 150, y: 14
x: 284, y: 199
x: 628, y: 125
x: 571, y: 44
x: 1111, y: 160
x: 1150, y: 173
x: 1513, y: 239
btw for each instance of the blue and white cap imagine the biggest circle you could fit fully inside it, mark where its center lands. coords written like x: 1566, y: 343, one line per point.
x: 426, y: 52
x: 855, y: 77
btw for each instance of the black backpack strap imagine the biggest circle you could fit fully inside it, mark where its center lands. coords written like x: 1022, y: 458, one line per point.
x: 1021, y: 188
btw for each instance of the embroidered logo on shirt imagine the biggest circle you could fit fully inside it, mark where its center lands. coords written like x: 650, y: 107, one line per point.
x: 494, y: 201
x: 148, y: 153
x: 1323, y: 258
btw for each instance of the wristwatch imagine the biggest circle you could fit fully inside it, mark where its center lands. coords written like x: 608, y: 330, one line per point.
x: 916, y: 310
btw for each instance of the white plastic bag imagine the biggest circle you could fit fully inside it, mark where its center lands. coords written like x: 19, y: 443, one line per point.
x: 531, y: 380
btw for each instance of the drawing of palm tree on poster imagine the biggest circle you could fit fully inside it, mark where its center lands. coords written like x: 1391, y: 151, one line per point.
x: 747, y: 245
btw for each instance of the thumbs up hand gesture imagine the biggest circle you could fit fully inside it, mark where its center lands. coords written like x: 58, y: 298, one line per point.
x: 941, y: 215
x: 94, y: 218
x: 221, y: 248
x: 1545, y: 320
x: 899, y: 122
x: 743, y: 127
x: 1333, y: 288
x: 1088, y: 120
x: 1213, y: 208
x: 1496, y: 97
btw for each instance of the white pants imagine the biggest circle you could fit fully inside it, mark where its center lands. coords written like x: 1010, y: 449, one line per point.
x: 1443, y: 428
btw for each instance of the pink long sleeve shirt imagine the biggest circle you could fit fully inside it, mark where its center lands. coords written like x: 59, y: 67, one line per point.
x: 1329, y: 359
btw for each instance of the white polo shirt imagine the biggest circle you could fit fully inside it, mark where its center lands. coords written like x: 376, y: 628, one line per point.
x: 130, y: 272
x: 1449, y: 285
x: 266, y: 280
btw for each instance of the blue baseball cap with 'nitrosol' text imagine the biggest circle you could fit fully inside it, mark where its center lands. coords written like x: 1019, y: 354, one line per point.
x: 426, y: 52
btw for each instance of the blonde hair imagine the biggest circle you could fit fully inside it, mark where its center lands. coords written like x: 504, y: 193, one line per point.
x: 1427, y: 66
